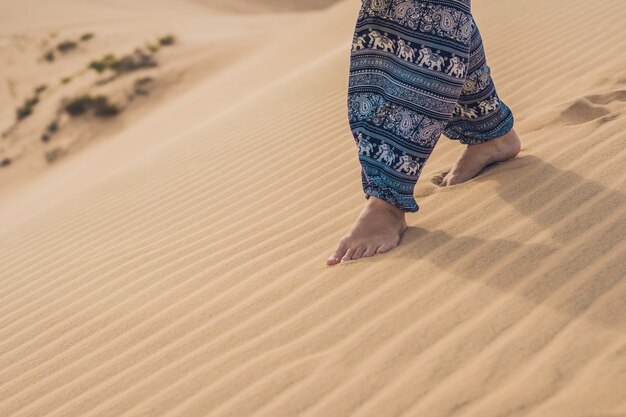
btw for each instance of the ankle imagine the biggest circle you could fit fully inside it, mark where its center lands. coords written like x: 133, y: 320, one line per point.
x: 379, y: 203
x: 509, y: 142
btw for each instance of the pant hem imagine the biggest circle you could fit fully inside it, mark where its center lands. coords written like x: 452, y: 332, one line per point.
x: 375, y: 188
x: 478, y: 138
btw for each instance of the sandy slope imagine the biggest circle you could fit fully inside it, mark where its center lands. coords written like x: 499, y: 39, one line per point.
x: 177, y: 268
x: 267, y: 6
x: 192, y: 75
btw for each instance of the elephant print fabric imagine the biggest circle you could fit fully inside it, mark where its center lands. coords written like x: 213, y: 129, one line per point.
x: 417, y: 70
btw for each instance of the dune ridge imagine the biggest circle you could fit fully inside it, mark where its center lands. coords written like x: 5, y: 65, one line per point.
x: 190, y: 279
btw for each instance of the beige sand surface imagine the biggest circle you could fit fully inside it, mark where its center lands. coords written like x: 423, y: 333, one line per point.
x: 175, y: 264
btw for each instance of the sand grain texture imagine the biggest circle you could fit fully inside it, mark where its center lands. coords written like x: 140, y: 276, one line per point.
x: 178, y: 267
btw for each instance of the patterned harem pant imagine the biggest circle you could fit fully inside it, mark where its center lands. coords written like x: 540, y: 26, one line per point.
x: 417, y: 70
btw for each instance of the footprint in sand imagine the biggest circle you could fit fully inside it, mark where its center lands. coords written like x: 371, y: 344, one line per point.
x: 593, y: 107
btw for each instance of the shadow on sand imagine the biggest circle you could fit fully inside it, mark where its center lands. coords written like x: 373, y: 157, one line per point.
x: 537, y: 271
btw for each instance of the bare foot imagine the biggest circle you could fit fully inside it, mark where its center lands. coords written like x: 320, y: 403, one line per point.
x: 476, y: 157
x: 377, y: 230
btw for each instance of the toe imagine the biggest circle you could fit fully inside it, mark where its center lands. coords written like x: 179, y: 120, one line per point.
x: 451, y: 180
x: 382, y: 248
x: 387, y: 246
x: 348, y: 255
x: 370, y: 251
x: 358, y: 253
x: 337, y: 254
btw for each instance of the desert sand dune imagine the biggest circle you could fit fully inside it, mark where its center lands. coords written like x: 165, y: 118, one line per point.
x: 268, y: 6
x: 177, y: 266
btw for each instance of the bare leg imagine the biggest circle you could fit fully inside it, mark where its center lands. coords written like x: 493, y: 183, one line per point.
x: 377, y: 230
x: 477, y: 157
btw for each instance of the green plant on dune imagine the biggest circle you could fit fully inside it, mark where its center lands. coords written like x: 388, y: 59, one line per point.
x: 100, y: 105
x: 26, y: 109
x: 78, y: 105
x: 152, y: 47
x: 66, y: 46
x: 40, y: 89
x: 138, y: 59
x: 86, y: 36
x: 103, y: 108
x: 53, y: 126
x: 130, y: 62
x: 109, y: 61
x: 51, y: 129
x: 49, y: 55
x: 167, y: 40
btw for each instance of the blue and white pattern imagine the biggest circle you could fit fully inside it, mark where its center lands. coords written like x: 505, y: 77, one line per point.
x: 417, y: 70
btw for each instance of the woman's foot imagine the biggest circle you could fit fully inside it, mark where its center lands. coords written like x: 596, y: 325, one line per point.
x: 477, y: 157
x: 377, y: 230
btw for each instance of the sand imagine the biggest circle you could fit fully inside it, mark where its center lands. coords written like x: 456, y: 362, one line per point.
x: 174, y: 263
